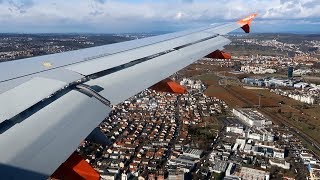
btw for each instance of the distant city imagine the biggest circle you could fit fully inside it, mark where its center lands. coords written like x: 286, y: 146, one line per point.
x: 18, y: 46
x: 255, y: 116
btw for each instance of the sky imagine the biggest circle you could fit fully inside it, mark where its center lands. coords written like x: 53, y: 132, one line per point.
x: 133, y: 16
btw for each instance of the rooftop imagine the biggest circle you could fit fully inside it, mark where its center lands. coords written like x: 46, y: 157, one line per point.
x: 252, y: 114
x: 249, y: 173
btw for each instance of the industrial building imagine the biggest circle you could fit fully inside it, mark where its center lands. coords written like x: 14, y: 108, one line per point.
x: 279, y: 163
x: 176, y: 175
x: 193, y: 153
x: 257, y: 70
x: 303, y: 98
x: 235, y: 129
x: 249, y: 173
x: 182, y: 161
x: 260, y: 134
x: 219, y: 166
x: 251, y: 117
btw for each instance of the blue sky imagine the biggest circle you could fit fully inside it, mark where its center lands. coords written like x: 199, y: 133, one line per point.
x: 120, y: 16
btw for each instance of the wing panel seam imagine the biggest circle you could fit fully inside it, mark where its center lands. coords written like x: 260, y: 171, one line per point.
x: 102, y: 55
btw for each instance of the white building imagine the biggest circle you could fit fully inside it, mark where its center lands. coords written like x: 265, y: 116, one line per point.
x: 301, y: 72
x: 194, y: 153
x: 251, y: 117
x: 108, y: 176
x: 278, y: 153
x: 125, y: 176
x: 247, y: 148
x: 180, y: 161
x: 176, y: 175
x: 307, y: 158
x: 235, y: 129
x: 249, y: 173
x: 301, y: 85
x: 241, y: 142
x: 257, y: 70
x: 229, y: 169
x: 254, y: 136
x: 302, y: 98
x: 193, y: 84
x: 279, y: 163
x: 260, y: 135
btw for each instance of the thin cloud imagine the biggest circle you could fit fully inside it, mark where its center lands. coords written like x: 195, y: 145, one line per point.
x: 116, y: 15
x: 187, y: 1
x: 21, y: 6
x: 100, y: 1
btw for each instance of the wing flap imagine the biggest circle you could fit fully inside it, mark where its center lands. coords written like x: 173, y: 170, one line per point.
x: 25, y: 95
x: 41, y: 142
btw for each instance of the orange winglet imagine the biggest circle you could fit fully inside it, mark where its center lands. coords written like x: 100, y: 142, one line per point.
x: 219, y: 55
x: 245, y: 23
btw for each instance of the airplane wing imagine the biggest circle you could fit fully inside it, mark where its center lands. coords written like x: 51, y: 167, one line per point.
x: 49, y: 104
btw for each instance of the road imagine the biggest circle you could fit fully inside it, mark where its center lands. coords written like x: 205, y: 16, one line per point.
x: 301, y: 135
x: 283, y: 121
x: 223, y: 78
x: 276, y: 119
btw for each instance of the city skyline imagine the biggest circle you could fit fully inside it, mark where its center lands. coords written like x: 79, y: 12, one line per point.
x: 123, y: 16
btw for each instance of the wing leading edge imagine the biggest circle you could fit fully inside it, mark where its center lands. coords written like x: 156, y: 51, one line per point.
x: 70, y: 105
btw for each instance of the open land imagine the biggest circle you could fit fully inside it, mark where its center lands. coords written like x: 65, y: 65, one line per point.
x: 283, y: 110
